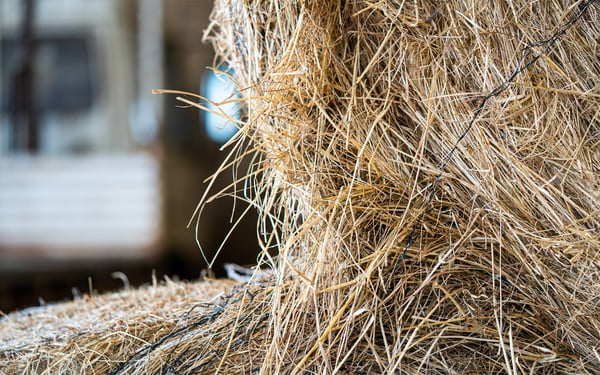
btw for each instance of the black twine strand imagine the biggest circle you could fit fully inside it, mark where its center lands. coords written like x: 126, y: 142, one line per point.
x: 522, y: 64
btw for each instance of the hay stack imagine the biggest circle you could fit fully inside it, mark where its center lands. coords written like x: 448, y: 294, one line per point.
x: 430, y: 177
x: 96, y: 334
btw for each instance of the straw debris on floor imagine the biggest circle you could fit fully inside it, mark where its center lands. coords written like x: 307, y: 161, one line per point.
x: 429, y: 176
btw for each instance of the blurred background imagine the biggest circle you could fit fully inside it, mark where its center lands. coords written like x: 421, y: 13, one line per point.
x: 98, y: 176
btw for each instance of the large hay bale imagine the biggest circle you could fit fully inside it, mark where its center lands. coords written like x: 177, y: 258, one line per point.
x: 96, y: 334
x: 430, y: 176
x: 434, y: 174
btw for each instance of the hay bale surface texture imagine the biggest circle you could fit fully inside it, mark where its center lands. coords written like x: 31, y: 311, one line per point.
x: 429, y: 175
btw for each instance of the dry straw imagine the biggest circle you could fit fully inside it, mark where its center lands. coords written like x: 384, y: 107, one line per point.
x: 429, y: 176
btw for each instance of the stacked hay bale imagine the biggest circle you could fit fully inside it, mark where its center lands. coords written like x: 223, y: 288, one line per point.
x: 429, y: 175
x: 96, y: 334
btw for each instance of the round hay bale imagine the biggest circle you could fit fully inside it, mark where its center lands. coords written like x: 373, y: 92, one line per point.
x: 97, y: 334
x: 432, y: 172
x: 429, y: 175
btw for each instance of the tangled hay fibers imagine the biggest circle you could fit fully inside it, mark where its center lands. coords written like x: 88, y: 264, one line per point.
x: 429, y: 175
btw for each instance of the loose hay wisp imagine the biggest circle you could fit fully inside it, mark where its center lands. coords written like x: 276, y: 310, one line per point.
x: 430, y: 177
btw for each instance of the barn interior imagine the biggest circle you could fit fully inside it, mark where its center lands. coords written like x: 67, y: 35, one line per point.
x: 99, y: 177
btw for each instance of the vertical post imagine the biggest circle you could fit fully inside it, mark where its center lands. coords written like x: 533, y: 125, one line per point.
x: 24, y: 111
